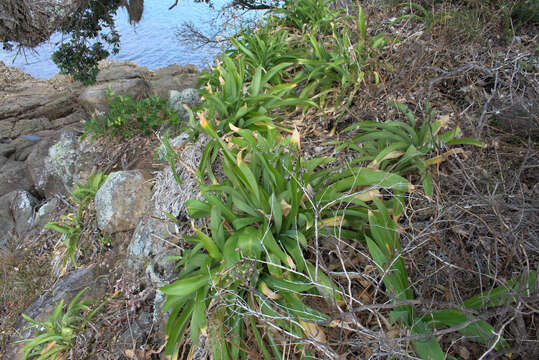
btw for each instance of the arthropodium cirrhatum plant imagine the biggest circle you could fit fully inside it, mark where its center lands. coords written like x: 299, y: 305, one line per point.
x: 70, y: 226
x: 271, y: 203
x: 403, y: 147
x: 56, y: 335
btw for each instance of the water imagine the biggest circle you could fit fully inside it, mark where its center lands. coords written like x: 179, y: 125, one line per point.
x: 152, y: 42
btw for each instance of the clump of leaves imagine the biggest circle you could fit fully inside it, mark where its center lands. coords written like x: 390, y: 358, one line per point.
x: 81, y: 54
x: 127, y: 117
x: 403, y: 147
x: 55, y: 336
x: 71, y: 225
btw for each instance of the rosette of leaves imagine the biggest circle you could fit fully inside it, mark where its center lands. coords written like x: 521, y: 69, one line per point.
x: 404, y: 147
x: 252, y: 253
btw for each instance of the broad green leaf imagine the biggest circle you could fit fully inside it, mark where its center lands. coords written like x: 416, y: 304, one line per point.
x: 198, y: 319
x: 185, y: 287
x: 249, y: 241
x: 276, y: 212
x: 209, y: 245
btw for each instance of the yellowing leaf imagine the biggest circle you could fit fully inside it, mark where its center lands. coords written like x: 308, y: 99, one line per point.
x: 203, y: 120
x: 48, y: 347
x: 295, y: 139
x: 233, y: 127
x: 440, y: 158
x: 267, y: 291
x: 238, y: 158
x: 334, y: 221
x: 290, y: 262
x: 285, y: 208
x: 262, y: 123
x: 391, y: 155
x: 368, y: 195
x: 313, y: 331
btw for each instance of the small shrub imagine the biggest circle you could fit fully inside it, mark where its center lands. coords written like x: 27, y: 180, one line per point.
x: 55, y: 336
x: 71, y: 225
x: 127, y: 117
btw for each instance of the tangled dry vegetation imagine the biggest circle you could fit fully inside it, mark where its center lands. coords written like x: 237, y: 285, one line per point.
x: 479, y: 229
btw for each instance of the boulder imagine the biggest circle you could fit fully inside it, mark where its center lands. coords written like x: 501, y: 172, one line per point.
x: 150, y: 248
x: 6, y: 149
x: 3, y: 160
x: 53, y: 164
x: 93, y: 98
x: 46, y: 212
x: 122, y: 200
x: 7, y: 223
x: 32, y: 99
x: 13, y: 176
x: 113, y: 70
x: 16, y: 214
x: 23, y: 146
x: 173, y: 77
x: 28, y: 126
x: 74, y: 118
x: 177, y: 100
x: 147, y: 244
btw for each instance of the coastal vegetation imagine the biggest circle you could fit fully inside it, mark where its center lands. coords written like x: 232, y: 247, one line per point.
x: 304, y: 242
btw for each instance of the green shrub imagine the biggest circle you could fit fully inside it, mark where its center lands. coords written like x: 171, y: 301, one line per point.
x: 405, y: 146
x: 127, y: 117
x: 71, y: 225
x: 55, y: 336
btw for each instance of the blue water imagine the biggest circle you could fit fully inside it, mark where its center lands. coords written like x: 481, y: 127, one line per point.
x: 152, y: 42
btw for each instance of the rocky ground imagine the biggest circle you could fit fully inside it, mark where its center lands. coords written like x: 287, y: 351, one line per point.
x: 42, y: 157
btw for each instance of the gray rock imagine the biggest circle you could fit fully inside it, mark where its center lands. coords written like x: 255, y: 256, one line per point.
x: 16, y: 215
x: 93, y: 97
x: 28, y: 126
x: 177, y: 100
x: 74, y: 118
x: 173, y: 77
x: 7, y: 222
x: 13, y: 176
x: 138, y: 329
x: 6, y: 126
x: 6, y: 149
x: 46, y: 212
x: 175, y: 143
x: 23, y: 146
x: 150, y: 247
x: 148, y: 242
x: 53, y: 164
x: 34, y: 99
x: 22, y: 210
x: 121, y: 70
x: 3, y: 160
x: 122, y: 200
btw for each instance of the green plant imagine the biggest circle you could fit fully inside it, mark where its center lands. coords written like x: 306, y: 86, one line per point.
x: 265, y: 47
x: 430, y: 18
x: 71, y: 225
x: 313, y: 15
x: 402, y: 147
x: 384, y: 247
x: 271, y: 204
x: 127, y: 117
x: 56, y: 335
